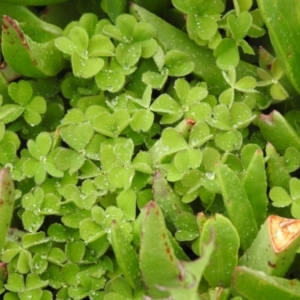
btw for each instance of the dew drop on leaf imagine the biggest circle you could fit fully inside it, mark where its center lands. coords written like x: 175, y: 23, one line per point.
x: 210, y: 175
x: 194, y: 141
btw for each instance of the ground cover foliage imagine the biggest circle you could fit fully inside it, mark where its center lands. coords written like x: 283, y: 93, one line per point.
x: 149, y: 149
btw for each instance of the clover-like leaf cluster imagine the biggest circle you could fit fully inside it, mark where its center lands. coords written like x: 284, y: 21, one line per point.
x: 148, y: 139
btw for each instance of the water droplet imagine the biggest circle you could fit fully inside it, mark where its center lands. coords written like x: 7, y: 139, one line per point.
x: 210, y: 175
x: 194, y: 141
x: 126, y: 67
x: 84, y: 53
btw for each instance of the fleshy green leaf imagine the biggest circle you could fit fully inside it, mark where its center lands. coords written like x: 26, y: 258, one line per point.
x: 237, y: 205
x: 158, y: 263
x: 225, y: 257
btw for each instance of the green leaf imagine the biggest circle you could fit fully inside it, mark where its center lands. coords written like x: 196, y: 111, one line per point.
x: 286, y: 48
x: 31, y: 221
x: 31, y: 117
x: 65, y: 45
x: 143, y: 31
x: 225, y: 257
x: 278, y: 131
x: 255, y: 181
x: 206, y: 27
x: 126, y: 200
x: 278, y: 92
x: 246, y: 47
x: 10, y: 112
x: 80, y: 38
x: 2, y: 130
x: 86, y: 67
x: 241, y: 115
x: 246, y: 84
x: 168, y: 36
x: 142, y: 162
x: 192, y: 157
x: 15, y: 282
x: 33, y: 281
x: 100, y: 45
x: 229, y: 140
x: 227, y: 97
x: 142, y: 120
x: 252, y: 284
x: 178, y: 63
x: 280, y: 197
x: 167, y: 106
x: 187, y: 229
x: 295, y: 188
x: 90, y: 231
x: 191, y: 274
x: 197, y: 94
x: 149, y: 48
x: 57, y: 232
x: 199, y: 134
x: 211, y: 158
x: 75, y: 251
x: 222, y: 114
x: 125, y: 254
x: 111, y: 124
x: 64, y: 158
x: 41, y: 146
x: 154, y: 79
x: 73, y: 116
x: 230, y: 76
x: 126, y: 23
x: 128, y: 55
x: 28, y: 57
x: 120, y: 177
x: 227, y: 54
x: 170, y: 142
x: 242, y: 5
x: 292, y: 159
x: 182, y: 89
x: 276, y: 170
x: 77, y: 136
x: 295, y: 209
x: 37, y: 104
x: 88, y: 21
x: 239, y: 26
x: 110, y: 80
x: 116, y: 8
x: 56, y: 256
x: 158, y: 263
x: 237, y: 205
x: 202, y: 8
x: 69, y: 273
x: 276, y: 69
x: 20, y: 92
x: 169, y: 202
x: 7, y: 195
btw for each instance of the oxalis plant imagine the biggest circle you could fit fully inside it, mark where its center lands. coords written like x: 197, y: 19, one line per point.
x: 150, y: 149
